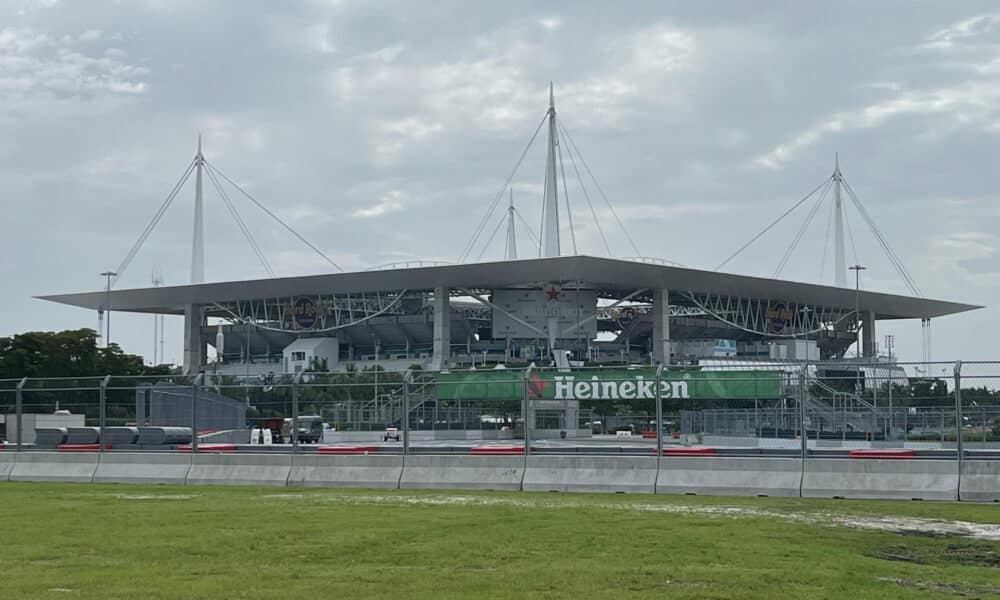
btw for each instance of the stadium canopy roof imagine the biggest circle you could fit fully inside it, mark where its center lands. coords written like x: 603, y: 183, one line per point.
x: 603, y: 273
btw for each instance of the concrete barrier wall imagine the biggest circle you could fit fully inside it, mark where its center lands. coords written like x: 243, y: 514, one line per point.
x: 344, y: 437
x: 631, y: 474
x: 731, y: 441
x: 6, y: 464
x: 239, y: 469
x: 142, y: 467
x: 463, y: 472
x: 980, y: 480
x: 880, y: 479
x: 350, y: 470
x: 823, y: 477
x: 54, y: 466
x: 735, y: 476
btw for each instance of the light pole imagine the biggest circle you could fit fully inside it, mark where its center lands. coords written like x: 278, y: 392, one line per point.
x: 803, y: 327
x: 107, y: 290
x: 857, y: 342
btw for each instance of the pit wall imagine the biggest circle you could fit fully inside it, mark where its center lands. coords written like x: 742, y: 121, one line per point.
x: 916, y: 479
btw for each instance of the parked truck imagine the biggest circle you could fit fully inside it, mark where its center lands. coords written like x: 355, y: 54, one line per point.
x: 310, y: 429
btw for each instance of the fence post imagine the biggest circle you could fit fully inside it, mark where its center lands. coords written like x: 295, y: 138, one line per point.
x: 890, y: 434
x: 982, y: 410
x: 103, y: 411
x: 802, y: 412
x: 843, y: 422
x: 958, y: 423
x: 295, y: 410
x: 525, y: 410
x: 19, y: 409
x: 195, y: 385
x: 406, y: 411
x: 659, y: 418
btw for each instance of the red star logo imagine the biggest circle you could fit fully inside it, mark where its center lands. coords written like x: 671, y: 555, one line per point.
x: 553, y: 294
x: 536, y: 386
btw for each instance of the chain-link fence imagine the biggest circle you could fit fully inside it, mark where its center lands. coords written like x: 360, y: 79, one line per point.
x: 732, y: 405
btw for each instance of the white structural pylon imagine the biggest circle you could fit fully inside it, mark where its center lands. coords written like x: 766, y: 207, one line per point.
x: 511, y: 253
x: 550, y: 208
x: 840, y: 260
x: 198, y: 243
x: 157, y: 326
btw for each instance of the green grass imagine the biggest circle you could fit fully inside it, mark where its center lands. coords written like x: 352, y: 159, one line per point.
x: 110, y: 541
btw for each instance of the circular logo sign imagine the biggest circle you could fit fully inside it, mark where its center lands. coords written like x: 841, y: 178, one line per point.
x: 778, y: 316
x: 305, y: 313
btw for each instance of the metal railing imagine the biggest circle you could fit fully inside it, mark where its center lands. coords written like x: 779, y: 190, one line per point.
x: 794, y: 405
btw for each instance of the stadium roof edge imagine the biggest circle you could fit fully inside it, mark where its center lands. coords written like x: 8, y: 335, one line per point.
x: 594, y: 271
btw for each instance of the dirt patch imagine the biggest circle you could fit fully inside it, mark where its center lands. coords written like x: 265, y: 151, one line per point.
x: 970, y: 554
x: 899, y: 557
x: 925, y: 533
x: 977, y: 555
x: 955, y: 589
x: 933, y: 528
x: 155, y: 496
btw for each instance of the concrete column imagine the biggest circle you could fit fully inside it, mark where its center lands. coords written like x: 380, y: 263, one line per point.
x: 442, y: 329
x: 868, y: 334
x: 661, y: 325
x: 194, y: 346
x: 571, y: 415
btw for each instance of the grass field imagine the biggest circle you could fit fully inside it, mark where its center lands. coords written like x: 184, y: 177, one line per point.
x: 108, y: 541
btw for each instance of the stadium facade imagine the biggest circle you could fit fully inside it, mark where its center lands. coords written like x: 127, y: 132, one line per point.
x: 598, y: 310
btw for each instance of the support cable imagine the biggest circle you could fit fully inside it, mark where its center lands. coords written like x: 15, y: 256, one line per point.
x: 890, y: 253
x: 826, y: 240
x: 274, y: 216
x: 850, y: 236
x: 154, y: 221
x: 489, y: 213
x: 586, y: 168
x: 773, y: 223
x: 489, y: 241
x: 590, y: 204
x: 240, y: 223
x: 569, y: 213
x: 527, y: 227
x: 802, y: 230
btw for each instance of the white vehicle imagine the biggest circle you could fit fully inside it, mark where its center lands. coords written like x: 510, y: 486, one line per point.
x: 261, y: 437
x: 391, y: 433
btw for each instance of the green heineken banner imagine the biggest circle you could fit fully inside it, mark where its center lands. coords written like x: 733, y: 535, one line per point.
x: 609, y: 384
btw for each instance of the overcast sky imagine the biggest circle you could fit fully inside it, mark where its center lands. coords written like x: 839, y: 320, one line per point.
x: 382, y: 130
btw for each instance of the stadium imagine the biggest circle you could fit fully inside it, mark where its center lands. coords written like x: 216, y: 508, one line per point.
x: 590, y: 319
x: 559, y: 307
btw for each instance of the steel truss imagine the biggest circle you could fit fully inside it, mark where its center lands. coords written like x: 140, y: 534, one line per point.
x: 332, y: 311
x: 765, y: 317
x: 774, y: 317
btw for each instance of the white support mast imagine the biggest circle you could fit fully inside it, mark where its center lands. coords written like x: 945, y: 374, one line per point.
x: 550, y: 224
x: 511, y: 253
x: 157, y: 327
x: 840, y: 259
x: 198, y: 243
